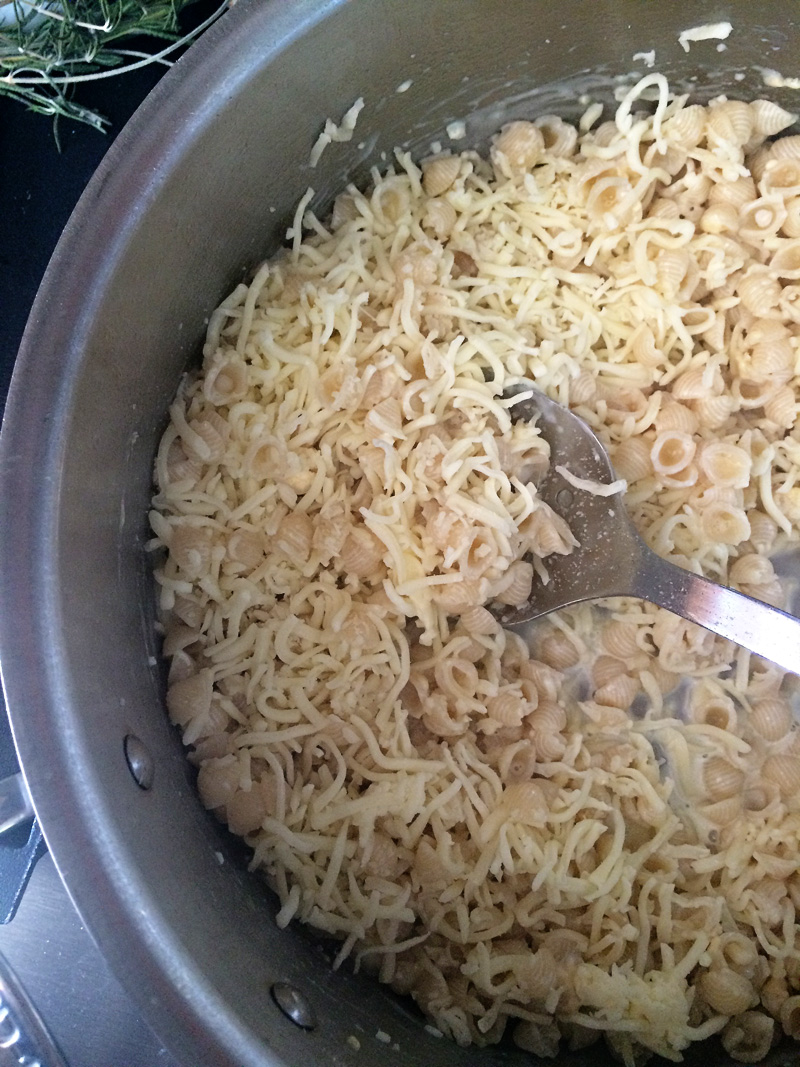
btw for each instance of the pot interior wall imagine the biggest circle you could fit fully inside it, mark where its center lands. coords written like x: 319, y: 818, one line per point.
x: 200, y: 187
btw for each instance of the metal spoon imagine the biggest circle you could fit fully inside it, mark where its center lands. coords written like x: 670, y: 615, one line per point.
x: 612, y: 559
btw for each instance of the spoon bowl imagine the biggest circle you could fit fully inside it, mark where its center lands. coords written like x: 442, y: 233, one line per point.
x: 611, y: 559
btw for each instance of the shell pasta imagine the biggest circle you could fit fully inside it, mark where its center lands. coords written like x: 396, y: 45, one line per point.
x: 594, y: 834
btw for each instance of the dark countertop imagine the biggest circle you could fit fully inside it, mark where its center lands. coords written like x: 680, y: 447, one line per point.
x: 40, y: 185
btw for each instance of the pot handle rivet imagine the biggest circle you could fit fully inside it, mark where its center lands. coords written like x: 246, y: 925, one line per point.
x: 139, y: 760
x: 294, y: 1005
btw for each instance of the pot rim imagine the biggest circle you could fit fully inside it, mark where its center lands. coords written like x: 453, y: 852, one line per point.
x: 89, y: 851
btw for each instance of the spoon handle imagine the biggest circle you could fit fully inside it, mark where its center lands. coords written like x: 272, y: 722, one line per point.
x: 765, y: 630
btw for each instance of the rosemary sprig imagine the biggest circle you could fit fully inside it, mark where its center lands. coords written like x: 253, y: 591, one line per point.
x: 47, y: 47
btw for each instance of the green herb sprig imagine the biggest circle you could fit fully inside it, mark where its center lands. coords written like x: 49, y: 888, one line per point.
x: 48, y: 47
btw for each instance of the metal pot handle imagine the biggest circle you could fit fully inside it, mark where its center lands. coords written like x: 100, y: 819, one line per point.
x: 21, y: 844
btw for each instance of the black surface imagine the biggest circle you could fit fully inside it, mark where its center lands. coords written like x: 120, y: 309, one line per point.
x: 40, y: 185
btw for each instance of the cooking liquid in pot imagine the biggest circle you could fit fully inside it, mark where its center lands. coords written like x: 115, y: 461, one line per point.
x: 598, y: 836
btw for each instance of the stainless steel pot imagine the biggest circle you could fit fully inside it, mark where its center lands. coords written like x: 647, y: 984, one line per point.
x: 201, y: 185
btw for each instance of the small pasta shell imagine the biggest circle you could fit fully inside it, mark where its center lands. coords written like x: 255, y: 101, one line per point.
x: 730, y: 121
x: 644, y: 348
x: 391, y: 199
x: 546, y: 680
x: 673, y: 415
x: 719, y: 218
x: 770, y: 118
x: 604, y: 196
x: 725, y: 524
x: 725, y: 991
x: 756, y: 161
x: 713, y: 411
x: 760, y: 292
x: 725, y: 465
x: 758, y: 796
x: 621, y: 639
x: 546, y: 532
x: 549, y: 746
x: 295, y: 535
x: 673, y: 266
x: 247, y: 808
x: 631, y: 459
x: 362, y: 553
x: 781, y: 177
x: 781, y: 407
x: 208, y: 437
x: 751, y: 394
x: 440, y: 216
x: 583, y: 389
x: 785, y: 261
x: 534, y: 972
x: 672, y: 451
x: 664, y: 679
x: 548, y: 718
x: 618, y: 693
x: 507, y: 707
x: 691, y: 385
x: 480, y: 621
x: 458, y: 597
x: 385, y: 419
x: 180, y: 466
x: 558, y: 651
x: 747, y: 1038
x: 225, y: 379
x: 721, y: 779
x: 559, y: 137
x: 605, y: 669
x: 714, y: 709
x: 518, y: 762
x: 417, y: 262
x: 428, y: 868
x: 218, y: 780
x: 791, y: 224
x: 246, y: 547
x: 771, y: 718
x: 189, y: 611
x: 687, y: 126
x: 190, y: 698
x: 752, y: 569
x: 772, y: 361
x: 761, y: 218
x: 190, y: 548
x: 737, y: 193
x: 526, y: 802
x: 344, y: 210
x: 763, y: 531
x: 381, y: 385
x: 736, y: 951
x: 521, y: 144
x: 786, y: 147
x: 516, y: 584
x: 722, y: 812
x: 439, y: 173
x: 790, y: 1017
x: 385, y: 859
x: 621, y: 404
x: 784, y: 771
x: 176, y: 640
x: 662, y: 208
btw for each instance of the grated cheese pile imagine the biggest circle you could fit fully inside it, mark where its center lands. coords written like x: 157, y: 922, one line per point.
x: 596, y: 835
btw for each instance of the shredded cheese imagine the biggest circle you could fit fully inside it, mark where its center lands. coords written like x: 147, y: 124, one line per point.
x: 578, y: 834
